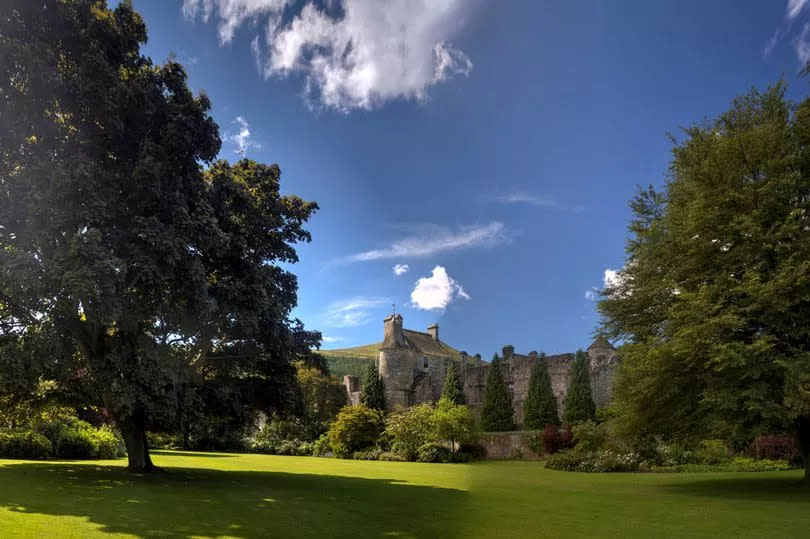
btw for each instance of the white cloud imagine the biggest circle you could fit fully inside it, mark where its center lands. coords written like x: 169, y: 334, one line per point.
x: 590, y: 294
x: 242, y: 138
x: 352, y: 312
x: 437, y: 291
x: 436, y: 239
x: 400, y: 269
x: 612, y: 278
x: 330, y: 339
x: 794, y: 7
x: 522, y: 198
x: 771, y: 44
x: 538, y: 201
x: 372, y: 52
x: 802, y: 45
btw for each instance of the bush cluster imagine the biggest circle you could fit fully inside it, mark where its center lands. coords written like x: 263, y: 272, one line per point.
x: 572, y: 460
x: 66, y: 438
x: 280, y: 437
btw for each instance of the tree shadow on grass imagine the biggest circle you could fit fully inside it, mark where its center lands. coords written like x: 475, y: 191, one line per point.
x: 788, y: 488
x: 203, y: 502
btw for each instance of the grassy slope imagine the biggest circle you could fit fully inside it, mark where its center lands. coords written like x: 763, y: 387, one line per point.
x: 354, y: 360
x: 206, y: 494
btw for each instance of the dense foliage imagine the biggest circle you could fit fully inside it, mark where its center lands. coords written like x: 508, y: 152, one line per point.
x: 373, y: 390
x: 355, y: 428
x: 497, y: 412
x: 714, y: 299
x: 128, y: 274
x: 540, y: 406
x: 579, y: 405
x: 453, y: 389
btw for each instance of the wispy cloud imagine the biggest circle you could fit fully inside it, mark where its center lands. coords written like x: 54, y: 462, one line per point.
x: 400, y: 269
x: 436, y: 292
x: 794, y: 7
x: 802, y: 45
x: 537, y: 201
x: 352, y: 312
x: 771, y: 44
x: 434, y: 240
x: 590, y: 294
x: 329, y: 339
x: 242, y: 138
x: 352, y: 54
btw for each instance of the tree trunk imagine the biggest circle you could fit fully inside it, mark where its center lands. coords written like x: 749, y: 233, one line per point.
x: 802, y: 425
x: 134, y: 431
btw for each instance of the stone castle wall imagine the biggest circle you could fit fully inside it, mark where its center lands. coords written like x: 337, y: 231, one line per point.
x: 412, y: 376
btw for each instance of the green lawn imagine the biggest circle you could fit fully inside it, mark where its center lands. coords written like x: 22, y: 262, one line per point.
x: 216, y: 494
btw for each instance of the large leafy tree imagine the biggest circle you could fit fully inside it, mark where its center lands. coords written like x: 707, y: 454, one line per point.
x: 496, y: 413
x: 453, y: 389
x: 117, y: 251
x: 714, y: 300
x: 540, y: 406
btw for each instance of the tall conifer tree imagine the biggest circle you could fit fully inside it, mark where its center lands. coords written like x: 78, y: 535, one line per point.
x: 497, y: 412
x: 579, y: 405
x: 373, y: 392
x: 540, y: 408
x: 453, y: 388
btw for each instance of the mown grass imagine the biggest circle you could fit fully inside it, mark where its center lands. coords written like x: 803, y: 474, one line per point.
x: 217, y: 494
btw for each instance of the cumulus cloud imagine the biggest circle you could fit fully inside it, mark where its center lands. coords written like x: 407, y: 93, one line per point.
x: 352, y: 312
x: 400, y: 269
x: 352, y: 54
x: 612, y: 278
x: 436, y: 239
x: 242, y: 138
x: 437, y: 291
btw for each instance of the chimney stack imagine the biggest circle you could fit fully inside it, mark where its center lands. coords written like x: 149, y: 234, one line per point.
x: 433, y: 329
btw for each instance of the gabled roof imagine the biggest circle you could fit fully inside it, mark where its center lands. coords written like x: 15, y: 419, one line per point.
x: 425, y: 343
x: 601, y: 342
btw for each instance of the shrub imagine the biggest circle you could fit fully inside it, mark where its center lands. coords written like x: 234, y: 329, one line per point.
x: 24, y: 445
x: 320, y: 447
x: 355, y: 428
x: 550, y: 439
x: 673, y: 455
x: 76, y: 439
x: 473, y: 451
x: 780, y: 447
x: 574, y: 460
x: 589, y: 436
x: 432, y: 452
x: 371, y: 454
x: 712, y: 452
x: 737, y: 464
x: 162, y: 440
x: 411, y: 428
x: 391, y: 456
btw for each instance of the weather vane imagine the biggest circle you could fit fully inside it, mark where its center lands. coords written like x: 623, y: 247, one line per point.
x: 394, y: 307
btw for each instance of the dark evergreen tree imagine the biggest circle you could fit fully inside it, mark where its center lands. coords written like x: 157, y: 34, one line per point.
x: 579, y: 405
x: 373, y: 394
x: 497, y: 411
x: 453, y: 388
x: 540, y: 408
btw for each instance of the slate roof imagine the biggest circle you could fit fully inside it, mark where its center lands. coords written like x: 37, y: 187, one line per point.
x: 601, y: 342
x: 424, y: 342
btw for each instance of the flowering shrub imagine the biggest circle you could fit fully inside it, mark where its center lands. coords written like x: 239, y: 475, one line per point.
x: 593, y: 461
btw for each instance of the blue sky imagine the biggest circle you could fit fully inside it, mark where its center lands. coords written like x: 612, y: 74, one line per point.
x: 491, y: 147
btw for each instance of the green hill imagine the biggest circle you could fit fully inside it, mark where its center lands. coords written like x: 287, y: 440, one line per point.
x: 355, y: 360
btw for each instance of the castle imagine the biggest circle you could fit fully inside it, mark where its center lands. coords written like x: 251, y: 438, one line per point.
x: 413, y: 365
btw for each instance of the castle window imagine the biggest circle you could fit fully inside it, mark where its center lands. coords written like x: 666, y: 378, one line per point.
x: 424, y: 363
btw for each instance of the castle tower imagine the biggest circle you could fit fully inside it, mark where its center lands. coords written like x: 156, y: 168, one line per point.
x: 603, y: 362
x: 396, y: 364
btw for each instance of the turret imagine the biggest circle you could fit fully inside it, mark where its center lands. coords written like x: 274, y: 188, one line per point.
x: 396, y: 364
